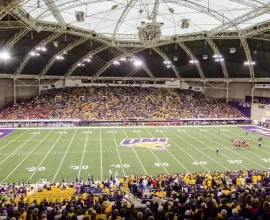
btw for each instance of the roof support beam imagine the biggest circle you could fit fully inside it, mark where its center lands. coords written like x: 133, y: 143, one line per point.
x: 108, y: 64
x: 90, y: 53
x: 165, y: 57
x: 197, y: 7
x: 69, y: 4
x: 53, y: 9
x: 216, y: 51
x: 241, y: 19
x: 27, y: 57
x: 123, y: 16
x: 3, y: 13
x: 13, y: 40
x: 250, y: 3
x: 60, y: 53
x: 192, y: 57
x: 231, y: 80
x: 249, y: 58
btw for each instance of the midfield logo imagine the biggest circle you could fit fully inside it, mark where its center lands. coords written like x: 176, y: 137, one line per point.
x: 152, y: 143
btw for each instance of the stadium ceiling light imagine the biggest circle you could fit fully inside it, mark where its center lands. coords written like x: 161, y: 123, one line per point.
x: 34, y: 54
x: 168, y: 66
x: 60, y: 57
x: 137, y: 63
x: 123, y: 59
x: 217, y: 56
x: 167, y: 62
x: 4, y: 55
x: 193, y: 61
x: 43, y: 49
x: 116, y: 62
x: 87, y: 60
x: 219, y: 60
x: 251, y: 63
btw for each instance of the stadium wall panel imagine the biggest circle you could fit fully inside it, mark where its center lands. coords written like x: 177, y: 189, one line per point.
x: 259, y: 112
x: 6, y: 91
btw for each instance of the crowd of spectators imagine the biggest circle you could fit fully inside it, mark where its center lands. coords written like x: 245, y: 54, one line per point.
x: 119, y: 103
x: 235, y: 195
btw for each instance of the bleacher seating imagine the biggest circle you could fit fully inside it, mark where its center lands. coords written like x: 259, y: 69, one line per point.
x: 120, y: 103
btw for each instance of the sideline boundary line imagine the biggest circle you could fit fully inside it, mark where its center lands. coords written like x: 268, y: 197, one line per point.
x: 140, y: 126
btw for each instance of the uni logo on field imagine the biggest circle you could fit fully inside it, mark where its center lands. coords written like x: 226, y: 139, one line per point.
x: 152, y: 143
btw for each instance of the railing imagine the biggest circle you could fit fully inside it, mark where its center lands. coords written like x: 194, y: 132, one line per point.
x: 125, y: 122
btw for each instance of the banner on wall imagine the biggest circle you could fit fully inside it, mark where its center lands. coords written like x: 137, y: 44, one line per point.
x: 262, y: 86
x: 244, y: 107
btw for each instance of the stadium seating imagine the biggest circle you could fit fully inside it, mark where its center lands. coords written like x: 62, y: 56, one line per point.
x: 119, y: 103
x: 231, y: 195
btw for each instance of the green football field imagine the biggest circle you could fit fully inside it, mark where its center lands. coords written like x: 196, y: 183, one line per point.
x: 31, y: 154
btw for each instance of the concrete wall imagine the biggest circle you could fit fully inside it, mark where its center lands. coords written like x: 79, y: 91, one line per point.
x: 6, y: 91
x: 259, y: 112
x: 237, y: 91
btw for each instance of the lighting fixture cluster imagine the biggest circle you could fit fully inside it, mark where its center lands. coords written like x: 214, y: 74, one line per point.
x: 4, y: 55
x: 168, y: 63
x: 37, y: 51
x: 136, y: 62
x: 193, y: 61
x: 85, y: 61
x: 59, y: 57
x: 218, y: 58
x: 251, y: 63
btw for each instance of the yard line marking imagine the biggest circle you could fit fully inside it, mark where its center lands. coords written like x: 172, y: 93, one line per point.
x: 149, y: 149
x: 240, y: 154
x: 201, y: 151
x: 118, y: 153
x: 46, y: 156
x: 101, y: 168
x: 17, y: 149
x: 13, y: 140
x: 194, y: 130
x: 184, y: 150
x: 136, y: 154
x: 171, y: 154
x: 85, y: 143
x: 64, y: 155
x: 26, y: 157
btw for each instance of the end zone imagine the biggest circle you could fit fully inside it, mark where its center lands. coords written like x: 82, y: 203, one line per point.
x: 5, y: 132
x: 257, y: 130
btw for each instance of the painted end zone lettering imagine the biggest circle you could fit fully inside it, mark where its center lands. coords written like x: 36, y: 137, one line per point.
x: 153, y: 143
x: 5, y: 132
x: 257, y: 130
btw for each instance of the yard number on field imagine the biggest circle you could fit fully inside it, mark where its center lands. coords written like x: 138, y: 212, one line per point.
x: 119, y: 166
x: 200, y: 163
x: 87, y: 132
x: 32, y: 169
x: 235, y: 161
x: 161, y: 164
x: 111, y: 131
x: 266, y: 160
x: 85, y: 167
x: 160, y: 131
x: 35, y: 132
x: 62, y: 132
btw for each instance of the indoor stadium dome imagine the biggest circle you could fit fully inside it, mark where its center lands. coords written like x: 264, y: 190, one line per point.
x: 143, y: 39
